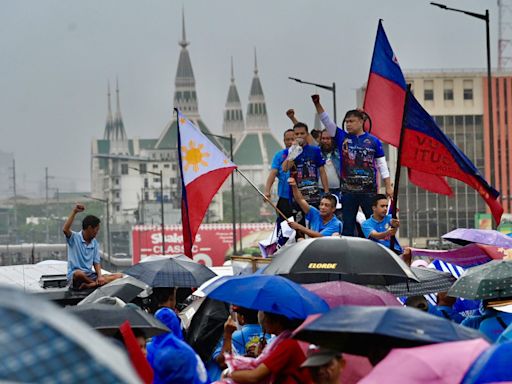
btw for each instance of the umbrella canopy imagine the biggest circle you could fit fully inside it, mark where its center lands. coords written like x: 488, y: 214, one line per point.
x: 274, y: 294
x: 443, y: 363
x: 430, y: 281
x: 492, y: 280
x: 171, y: 273
x: 493, y: 366
x: 337, y: 293
x: 351, y: 259
x: 206, y: 325
x: 41, y: 343
x: 125, y: 289
x: 356, y: 329
x: 108, y: 318
x: 464, y: 236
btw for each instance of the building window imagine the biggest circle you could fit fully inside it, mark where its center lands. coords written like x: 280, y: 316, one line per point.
x: 117, y: 181
x: 156, y: 180
x: 146, y: 183
x: 155, y: 166
x: 428, y: 91
x: 117, y: 208
x: 468, y: 89
x: 448, y: 90
x: 166, y: 165
x: 117, y: 195
x: 174, y: 167
x: 124, y: 169
x: 142, y: 168
x: 146, y: 196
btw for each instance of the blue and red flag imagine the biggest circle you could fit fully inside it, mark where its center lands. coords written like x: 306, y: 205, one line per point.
x: 427, y: 149
x: 384, y: 101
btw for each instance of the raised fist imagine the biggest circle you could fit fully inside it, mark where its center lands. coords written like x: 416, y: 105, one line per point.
x: 315, y: 98
x: 290, y: 113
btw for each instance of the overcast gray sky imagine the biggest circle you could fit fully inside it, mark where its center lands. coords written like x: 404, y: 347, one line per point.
x: 57, y: 56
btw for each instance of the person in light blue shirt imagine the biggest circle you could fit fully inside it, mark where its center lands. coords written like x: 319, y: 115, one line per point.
x: 380, y: 226
x: 284, y: 202
x: 322, y: 221
x: 83, y: 253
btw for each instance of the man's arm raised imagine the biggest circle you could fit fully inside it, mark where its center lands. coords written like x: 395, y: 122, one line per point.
x: 69, y: 222
x: 329, y: 125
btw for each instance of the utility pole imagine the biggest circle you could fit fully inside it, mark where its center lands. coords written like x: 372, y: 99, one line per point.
x: 46, y: 205
x: 15, y: 221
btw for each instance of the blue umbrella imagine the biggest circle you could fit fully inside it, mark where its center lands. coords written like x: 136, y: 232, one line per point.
x: 356, y: 329
x: 492, y: 366
x: 268, y: 293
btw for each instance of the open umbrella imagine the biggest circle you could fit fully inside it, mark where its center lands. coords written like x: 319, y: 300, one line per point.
x: 492, y: 366
x: 41, y: 343
x: 443, y: 363
x: 108, y: 318
x: 356, y: 329
x: 464, y: 236
x: 267, y: 293
x: 352, y: 259
x: 492, y: 280
x: 126, y: 289
x: 337, y: 293
x: 171, y: 273
x: 430, y: 281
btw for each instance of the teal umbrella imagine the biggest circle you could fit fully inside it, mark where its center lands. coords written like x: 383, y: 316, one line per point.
x: 492, y: 280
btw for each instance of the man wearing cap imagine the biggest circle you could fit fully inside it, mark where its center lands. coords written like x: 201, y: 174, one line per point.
x: 322, y: 221
x: 325, y: 365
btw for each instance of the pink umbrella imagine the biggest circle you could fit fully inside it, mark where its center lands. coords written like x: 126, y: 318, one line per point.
x: 338, y: 293
x: 443, y: 363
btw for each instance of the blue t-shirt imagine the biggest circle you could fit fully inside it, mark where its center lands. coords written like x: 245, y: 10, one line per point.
x: 306, y: 173
x: 316, y: 223
x: 491, y: 326
x: 371, y: 224
x: 80, y: 254
x: 446, y: 312
x: 358, y: 154
x: 283, y: 188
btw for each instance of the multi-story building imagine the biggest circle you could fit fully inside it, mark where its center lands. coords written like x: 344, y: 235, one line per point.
x: 457, y: 100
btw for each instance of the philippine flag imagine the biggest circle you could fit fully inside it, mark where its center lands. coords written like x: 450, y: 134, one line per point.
x: 204, y: 168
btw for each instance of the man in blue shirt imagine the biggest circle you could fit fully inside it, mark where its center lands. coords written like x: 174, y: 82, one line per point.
x: 283, y: 190
x: 380, y: 226
x: 322, y: 221
x: 307, y: 168
x: 83, y: 253
x: 361, y: 156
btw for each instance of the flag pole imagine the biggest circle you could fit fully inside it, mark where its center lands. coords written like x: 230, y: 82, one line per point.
x: 263, y: 195
x: 396, y: 185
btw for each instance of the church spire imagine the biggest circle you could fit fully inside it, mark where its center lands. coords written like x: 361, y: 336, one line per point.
x: 183, y: 43
x: 109, y: 126
x: 233, y: 115
x: 257, y: 119
x: 118, y: 140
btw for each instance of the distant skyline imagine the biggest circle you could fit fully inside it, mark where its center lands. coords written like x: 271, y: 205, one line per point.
x: 58, y: 56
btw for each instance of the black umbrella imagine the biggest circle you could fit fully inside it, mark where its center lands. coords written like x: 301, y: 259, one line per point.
x: 359, y: 330
x: 171, y: 273
x: 108, y: 318
x: 430, y: 281
x: 207, y: 326
x: 351, y: 259
x: 126, y: 288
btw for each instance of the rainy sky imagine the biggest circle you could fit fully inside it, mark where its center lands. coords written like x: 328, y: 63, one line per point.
x: 58, y: 56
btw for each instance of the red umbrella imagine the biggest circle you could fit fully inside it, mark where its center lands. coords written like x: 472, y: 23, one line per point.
x: 337, y: 293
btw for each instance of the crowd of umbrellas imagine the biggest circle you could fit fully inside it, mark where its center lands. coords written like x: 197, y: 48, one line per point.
x: 350, y: 292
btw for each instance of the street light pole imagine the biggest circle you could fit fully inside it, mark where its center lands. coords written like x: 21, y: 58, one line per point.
x: 484, y: 17
x: 331, y: 88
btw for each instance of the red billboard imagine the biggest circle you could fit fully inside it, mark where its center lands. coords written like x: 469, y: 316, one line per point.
x: 213, y: 241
